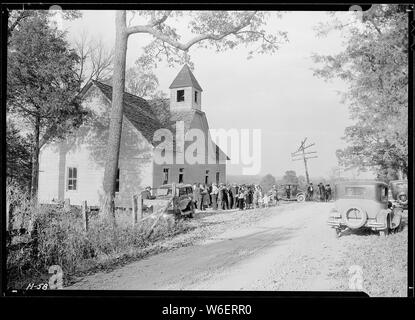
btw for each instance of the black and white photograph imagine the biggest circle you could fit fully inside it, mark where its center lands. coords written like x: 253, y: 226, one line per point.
x: 208, y: 149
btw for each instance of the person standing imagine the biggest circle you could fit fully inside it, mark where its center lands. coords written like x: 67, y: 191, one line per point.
x: 202, y: 197
x: 231, y: 196
x: 241, y: 198
x: 310, y: 192
x: 220, y: 197
x: 288, y: 191
x: 225, y: 198
x: 214, y: 195
x: 328, y: 192
x: 210, y: 195
x: 274, y: 194
x: 196, y: 195
x: 322, y: 192
x: 206, y: 199
x: 236, y: 198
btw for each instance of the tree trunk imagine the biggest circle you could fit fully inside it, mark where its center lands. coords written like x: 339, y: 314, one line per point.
x: 118, y: 84
x: 35, y: 161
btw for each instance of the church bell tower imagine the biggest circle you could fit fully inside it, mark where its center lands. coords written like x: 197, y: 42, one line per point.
x: 185, y: 91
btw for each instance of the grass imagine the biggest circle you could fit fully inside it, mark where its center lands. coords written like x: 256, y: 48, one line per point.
x: 383, y: 261
x: 60, y: 240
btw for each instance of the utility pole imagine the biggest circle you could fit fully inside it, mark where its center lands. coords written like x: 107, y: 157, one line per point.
x: 301, y: 154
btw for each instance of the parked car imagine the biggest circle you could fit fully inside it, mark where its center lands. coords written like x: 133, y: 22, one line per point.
x: 363, y: 204
x: 398, y: 193
x: 291, y: 192
x: 182, y: 201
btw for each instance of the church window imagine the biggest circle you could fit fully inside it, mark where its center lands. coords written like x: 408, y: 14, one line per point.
x: 181, y: 174
x: 165, y: 175
x: 72, y: 178
x: 180, y: 95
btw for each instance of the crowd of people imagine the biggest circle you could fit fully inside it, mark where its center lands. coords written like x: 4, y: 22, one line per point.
x: 226, y: 196
x: 324, y: 192
x: 246, y: 196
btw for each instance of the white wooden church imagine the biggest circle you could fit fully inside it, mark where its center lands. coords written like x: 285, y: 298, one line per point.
x: 74, y: 168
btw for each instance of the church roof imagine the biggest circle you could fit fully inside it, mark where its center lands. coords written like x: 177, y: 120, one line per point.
x: 147, y: 116
x: 185, y: 78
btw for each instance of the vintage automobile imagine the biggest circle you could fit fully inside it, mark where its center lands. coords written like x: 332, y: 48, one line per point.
x: 363, y: 204
x: 291, y: 192
x: 398, y: 193
x: 182, y: 204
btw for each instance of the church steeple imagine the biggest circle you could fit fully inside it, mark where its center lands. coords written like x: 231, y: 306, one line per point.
x: 185, y: 91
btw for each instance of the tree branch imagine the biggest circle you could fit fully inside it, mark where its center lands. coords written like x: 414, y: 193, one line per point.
x: 186, y: 46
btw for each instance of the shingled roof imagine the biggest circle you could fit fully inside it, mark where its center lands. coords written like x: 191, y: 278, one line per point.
x: 185, y: 78
x: 147, y: 116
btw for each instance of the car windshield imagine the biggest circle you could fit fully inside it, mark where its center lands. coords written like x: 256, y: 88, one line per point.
x: 360, y: 191
x: 401, y: 185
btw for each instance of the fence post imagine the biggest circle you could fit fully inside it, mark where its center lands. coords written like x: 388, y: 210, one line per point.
x: 173, y: 193
x: 134, y: 209
x: 85, y: 215
x: 140, y: 205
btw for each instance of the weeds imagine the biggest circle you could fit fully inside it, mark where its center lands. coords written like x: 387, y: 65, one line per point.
x: 57, y: 238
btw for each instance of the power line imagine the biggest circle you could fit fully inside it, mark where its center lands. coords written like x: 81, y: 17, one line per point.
x: 300, y: 154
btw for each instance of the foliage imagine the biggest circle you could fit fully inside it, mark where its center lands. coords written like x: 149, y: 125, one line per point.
x: 18, y: 17
x: 42, y: 87
x: 374, y: 63
x: 290, y: 177
x: 40, y: 78
x: 95, y: 59
x: 267, y: 182
x: 222, y: 30
x: 141, y: 81
x: 58, y: 238
x: 19, y: 162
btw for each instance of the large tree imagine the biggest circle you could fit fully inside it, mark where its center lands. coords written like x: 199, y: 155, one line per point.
x: 18, y: 156
x: 290, y: 177
x: 141, y: 81
x: 95, y: 59
x: 267, y: 182
x: 42, y: 86
x: 374, y: 63
x: 222, y: 29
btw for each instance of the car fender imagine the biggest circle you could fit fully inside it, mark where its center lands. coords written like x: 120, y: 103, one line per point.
x: 334, y: 212
x: 184, y: 203
x: 382, y: 216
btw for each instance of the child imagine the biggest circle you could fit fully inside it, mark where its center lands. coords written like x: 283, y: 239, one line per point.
x: 266, y: 200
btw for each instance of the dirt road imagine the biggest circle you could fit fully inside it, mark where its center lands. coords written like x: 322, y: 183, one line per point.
x: 289, y: 247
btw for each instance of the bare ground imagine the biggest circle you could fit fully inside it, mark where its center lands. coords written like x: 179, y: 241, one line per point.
x: 289, y: 247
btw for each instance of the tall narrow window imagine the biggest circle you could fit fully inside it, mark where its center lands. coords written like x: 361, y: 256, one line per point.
x: 165, y: 175
x: 217, y: 177
x: 117, y: 181
x: 72, y: 178
x: 181, y: 174
x: 180, y: 95
x: 196, y: 96
x: 207, y: 177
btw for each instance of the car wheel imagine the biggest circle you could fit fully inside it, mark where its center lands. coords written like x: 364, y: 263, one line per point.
x: 300, y: 198
x: 355, y: 217
x: 402, y: 198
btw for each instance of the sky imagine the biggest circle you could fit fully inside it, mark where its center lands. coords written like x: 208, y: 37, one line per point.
x: 276, y: 93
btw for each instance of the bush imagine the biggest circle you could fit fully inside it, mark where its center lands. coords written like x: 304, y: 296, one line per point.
x: 57, y: 238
